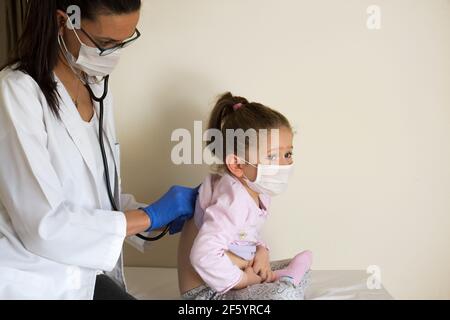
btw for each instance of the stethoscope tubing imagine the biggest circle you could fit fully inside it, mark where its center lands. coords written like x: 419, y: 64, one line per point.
x: 101, y: 100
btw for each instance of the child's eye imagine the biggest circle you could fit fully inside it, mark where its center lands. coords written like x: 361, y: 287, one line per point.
x: 272, y: 157
x: 289, y: 155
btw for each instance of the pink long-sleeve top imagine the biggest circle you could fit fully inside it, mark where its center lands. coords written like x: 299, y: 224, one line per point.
x: 228, y: 219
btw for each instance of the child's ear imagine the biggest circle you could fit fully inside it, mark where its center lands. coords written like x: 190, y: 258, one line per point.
x: 234, y: 165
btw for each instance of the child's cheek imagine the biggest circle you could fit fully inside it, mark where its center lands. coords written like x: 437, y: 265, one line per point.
x: 251, y: 173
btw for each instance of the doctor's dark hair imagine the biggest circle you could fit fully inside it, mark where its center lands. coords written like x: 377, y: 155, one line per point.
x: 232, y: 112
x: 36, y: 52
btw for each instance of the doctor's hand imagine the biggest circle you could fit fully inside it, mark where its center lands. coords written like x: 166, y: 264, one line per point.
x: 177, y: 206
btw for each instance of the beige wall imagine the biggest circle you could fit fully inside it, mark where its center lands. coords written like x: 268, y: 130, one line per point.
x: 372, y: 183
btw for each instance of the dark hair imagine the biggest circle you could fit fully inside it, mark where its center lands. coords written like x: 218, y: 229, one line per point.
x: 36, y: 53
x: 234, y: 113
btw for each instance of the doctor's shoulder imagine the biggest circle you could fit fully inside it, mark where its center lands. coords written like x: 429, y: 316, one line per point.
x: 19, y: 90
x: 12, y: 76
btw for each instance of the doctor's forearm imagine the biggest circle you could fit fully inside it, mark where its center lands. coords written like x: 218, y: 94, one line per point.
x: 137, y: 221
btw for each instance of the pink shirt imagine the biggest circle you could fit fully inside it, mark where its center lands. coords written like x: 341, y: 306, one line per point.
x: 228, y: 220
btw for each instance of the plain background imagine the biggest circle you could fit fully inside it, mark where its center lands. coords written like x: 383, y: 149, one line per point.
x: 372, y: 111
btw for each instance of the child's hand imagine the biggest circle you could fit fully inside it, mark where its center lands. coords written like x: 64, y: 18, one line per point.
x: 238, y: 261
x: 252, y: 277
x: 261, y: 265
x: 249, y: 278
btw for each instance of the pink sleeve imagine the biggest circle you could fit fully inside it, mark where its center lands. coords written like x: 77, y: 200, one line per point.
x: 221, y: 223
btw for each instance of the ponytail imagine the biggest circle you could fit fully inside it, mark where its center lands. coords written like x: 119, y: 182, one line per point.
x: 223, y: 109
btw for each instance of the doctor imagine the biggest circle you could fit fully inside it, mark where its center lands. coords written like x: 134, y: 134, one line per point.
x: 62, y: 227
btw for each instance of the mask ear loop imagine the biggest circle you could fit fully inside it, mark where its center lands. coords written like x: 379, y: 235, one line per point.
x: 246, y: 162
x: 256, y: 167
x: 72, y: 27
x: 63, y: 46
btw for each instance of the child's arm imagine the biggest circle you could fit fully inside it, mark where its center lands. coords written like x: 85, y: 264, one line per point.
x: 260, y: 265
x: 209, y: 252
x: 226, y: 214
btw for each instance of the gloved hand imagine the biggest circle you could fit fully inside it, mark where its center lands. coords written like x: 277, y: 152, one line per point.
x: 177, y: 204
x: 177, y: 225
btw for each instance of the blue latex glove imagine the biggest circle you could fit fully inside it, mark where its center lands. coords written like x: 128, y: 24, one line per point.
x: 177, y: 225
x: 176, y: 205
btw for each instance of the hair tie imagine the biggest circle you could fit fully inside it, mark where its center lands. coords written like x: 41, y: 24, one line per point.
x: 237, y: 106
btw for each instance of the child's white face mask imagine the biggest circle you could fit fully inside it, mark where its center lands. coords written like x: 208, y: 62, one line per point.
x: 271, y: 180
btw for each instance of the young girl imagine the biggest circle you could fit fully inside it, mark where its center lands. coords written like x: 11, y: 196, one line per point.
x: 221, y: 254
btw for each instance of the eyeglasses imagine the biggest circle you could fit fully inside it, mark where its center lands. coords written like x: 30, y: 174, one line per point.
x: 107, y: 51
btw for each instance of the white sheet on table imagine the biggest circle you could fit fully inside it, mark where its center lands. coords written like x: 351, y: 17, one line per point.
x: 162, y: 284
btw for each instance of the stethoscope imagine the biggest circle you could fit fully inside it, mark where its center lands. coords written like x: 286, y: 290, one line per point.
x: 105, y: 160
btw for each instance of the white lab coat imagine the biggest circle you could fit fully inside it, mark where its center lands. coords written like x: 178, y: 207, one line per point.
x: 54, y: 239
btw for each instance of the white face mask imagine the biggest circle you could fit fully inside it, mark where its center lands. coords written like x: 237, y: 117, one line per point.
x: 89, y: 59
x: 271, y: 180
